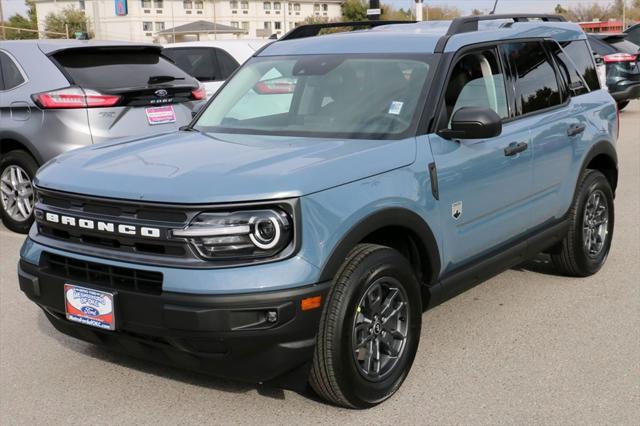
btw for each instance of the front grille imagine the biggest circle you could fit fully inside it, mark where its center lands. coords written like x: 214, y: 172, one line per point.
x: 102, y: 275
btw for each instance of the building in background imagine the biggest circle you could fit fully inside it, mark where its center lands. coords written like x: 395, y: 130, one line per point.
x: 143, y: 20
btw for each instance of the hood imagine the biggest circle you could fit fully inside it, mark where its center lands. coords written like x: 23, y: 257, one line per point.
x: 197, y: 168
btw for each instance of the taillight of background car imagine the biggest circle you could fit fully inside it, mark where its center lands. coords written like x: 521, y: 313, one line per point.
x: 74, y: 97
x: 199, y: 94
x: 619, y: 57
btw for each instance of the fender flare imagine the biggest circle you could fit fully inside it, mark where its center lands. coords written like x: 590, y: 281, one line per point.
x: 26, y: 145
x: 383, y: 218
x: 601, y: 147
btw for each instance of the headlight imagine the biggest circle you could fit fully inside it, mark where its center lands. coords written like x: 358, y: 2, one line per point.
x: 246, y: 234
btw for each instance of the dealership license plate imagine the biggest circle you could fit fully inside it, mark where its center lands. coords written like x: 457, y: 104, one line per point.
x: 161, y: 114
x: 90, y: 307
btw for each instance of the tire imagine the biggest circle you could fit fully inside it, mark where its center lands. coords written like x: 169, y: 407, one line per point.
x: 573, y: 257
x: 17, y: 216
x: 622, y: 105
x: 338, y: 371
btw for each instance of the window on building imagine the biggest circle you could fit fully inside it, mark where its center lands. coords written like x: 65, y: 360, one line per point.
x: 277, y: 25
x: 233, y: 4
x: 187, y: 4
x: 325, y: 7
x: 159, y: 4
x: 266, y: 5
x: 11, y: 75
x: 316, y: 7
x: 146, y: 4
x: 296, y: 7
x: 235, y: 24
x: 147, y: 26
x: 159, y: 26
x: 199, y: 4
x: 267, y: 25
x: 81, y: 5
x: 245, y: 25
x: 244, y: 5
x: 536, y: 85
x: 276, y: 6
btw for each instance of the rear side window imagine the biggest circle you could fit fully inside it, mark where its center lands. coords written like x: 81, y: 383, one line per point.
x: 535, y: 83
x: 580, y: 54
x: 203, y: 63
x: 11, y: 75
x: 568, y: 70
x: 110, y: 69
x: 625, y: 46
x: 600, y: 47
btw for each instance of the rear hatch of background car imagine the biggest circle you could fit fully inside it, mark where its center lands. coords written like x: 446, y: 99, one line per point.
x: 621, y: 56
x: 129, y: 90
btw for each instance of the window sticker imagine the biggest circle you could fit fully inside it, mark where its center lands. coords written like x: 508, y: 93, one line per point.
x: 395, y: 107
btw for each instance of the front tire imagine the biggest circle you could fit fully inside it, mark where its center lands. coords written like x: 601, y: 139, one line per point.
x: 584, y: 249
x: 17, y: 198
x: 369, y: 329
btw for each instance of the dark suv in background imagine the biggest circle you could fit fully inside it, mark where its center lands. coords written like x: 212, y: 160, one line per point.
x: 57, y: 95
x: 621, y: 58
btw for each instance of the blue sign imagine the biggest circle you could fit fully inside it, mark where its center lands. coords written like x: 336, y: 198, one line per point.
x: 121, y: 7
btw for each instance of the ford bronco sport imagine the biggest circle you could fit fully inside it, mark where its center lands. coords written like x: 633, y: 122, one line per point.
x: 397, y: 166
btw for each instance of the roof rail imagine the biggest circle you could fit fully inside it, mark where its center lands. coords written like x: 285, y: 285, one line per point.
x: 467, y: 24
x: 311, y: 30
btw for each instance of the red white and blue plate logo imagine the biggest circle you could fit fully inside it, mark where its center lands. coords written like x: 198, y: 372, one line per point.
x: 89, y: 307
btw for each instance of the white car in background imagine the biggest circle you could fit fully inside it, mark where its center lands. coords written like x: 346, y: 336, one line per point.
x: 212, y: 62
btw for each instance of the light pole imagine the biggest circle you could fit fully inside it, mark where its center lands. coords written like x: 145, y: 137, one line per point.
x: 4, y: 33
x: 418, y: 10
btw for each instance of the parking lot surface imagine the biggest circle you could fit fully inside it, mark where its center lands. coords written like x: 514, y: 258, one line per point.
x: 525, y: 347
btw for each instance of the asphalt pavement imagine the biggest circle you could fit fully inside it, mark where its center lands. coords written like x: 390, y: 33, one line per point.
x: 526, y: 347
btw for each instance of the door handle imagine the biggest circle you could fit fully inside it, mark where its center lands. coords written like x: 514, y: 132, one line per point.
x: 515, y: 148
x: 575, y: 129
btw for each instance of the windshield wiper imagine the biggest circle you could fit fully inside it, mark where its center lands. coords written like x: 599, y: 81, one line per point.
x: 155, y: 79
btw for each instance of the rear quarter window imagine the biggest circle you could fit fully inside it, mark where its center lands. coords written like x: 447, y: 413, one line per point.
x: 203, y: 63
x: 10, y: 75
x: 581, y: 58
x: 109, y: 69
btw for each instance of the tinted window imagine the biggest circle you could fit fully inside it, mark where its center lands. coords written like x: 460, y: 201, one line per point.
x: 226, y: 63
x: 478, y: 81
x: 109, y: 69
x: 633, y: 34
x: 535, y: 79
x: 11, y: 75
x: 570, y: 75
x: 625, y: 46
x: 600, y: 47
x: 582, y: 58
x: 200, y: 62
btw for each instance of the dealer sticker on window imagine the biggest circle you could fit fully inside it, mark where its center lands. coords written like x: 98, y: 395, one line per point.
x: 395, y: 107
x: 90, y: 307
x: 161, y: 115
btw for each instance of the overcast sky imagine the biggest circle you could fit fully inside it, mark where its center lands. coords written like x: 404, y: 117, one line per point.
x: 12, y: 6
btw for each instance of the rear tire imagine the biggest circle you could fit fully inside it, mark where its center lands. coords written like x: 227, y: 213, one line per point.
x: 369, y: 329
x: 17, y: 198
x: 622, y: 105
x: 584, y: 249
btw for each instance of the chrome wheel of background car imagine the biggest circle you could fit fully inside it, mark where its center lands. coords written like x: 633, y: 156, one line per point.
x: 380, y: 328
x: 16, y: 193
x: 595, y: 225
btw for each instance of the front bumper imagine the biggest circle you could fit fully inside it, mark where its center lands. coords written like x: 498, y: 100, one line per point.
x: 223, y: 335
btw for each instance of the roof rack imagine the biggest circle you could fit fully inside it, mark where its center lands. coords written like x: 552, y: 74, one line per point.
x: 470, y: 23
x: 311, y: 30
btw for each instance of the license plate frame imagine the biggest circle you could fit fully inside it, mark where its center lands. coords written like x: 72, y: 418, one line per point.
x: 91, y: 307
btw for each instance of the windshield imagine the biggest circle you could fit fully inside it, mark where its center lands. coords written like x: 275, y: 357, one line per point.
x: 347, y: 96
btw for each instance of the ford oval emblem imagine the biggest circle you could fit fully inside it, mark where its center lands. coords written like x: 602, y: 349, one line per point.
x: 161, y: 93
x: 88, y: 310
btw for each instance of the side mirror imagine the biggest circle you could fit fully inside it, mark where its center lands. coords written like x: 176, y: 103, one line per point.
x: 473, y: 123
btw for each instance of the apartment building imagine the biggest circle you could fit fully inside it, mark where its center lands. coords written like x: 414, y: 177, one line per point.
x: 142, y: 20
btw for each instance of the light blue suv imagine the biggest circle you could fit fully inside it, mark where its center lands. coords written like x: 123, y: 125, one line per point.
x: 300, y: 243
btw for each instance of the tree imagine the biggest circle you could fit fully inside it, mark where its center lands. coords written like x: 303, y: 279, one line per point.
x: 19, y: 21
x: 389, y: 13
x: 477, y: 12
x: 354, y: 10
x: 69, y: 18
x: 560, y: 10
x: 438, y: 13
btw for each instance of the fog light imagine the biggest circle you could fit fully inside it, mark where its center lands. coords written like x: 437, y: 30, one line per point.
x: 272, y: 316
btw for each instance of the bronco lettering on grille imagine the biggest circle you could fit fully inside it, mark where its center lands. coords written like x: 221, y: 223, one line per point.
x: 101, y: 226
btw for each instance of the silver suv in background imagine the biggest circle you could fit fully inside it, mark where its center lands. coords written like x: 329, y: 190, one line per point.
x: 57, y: 95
